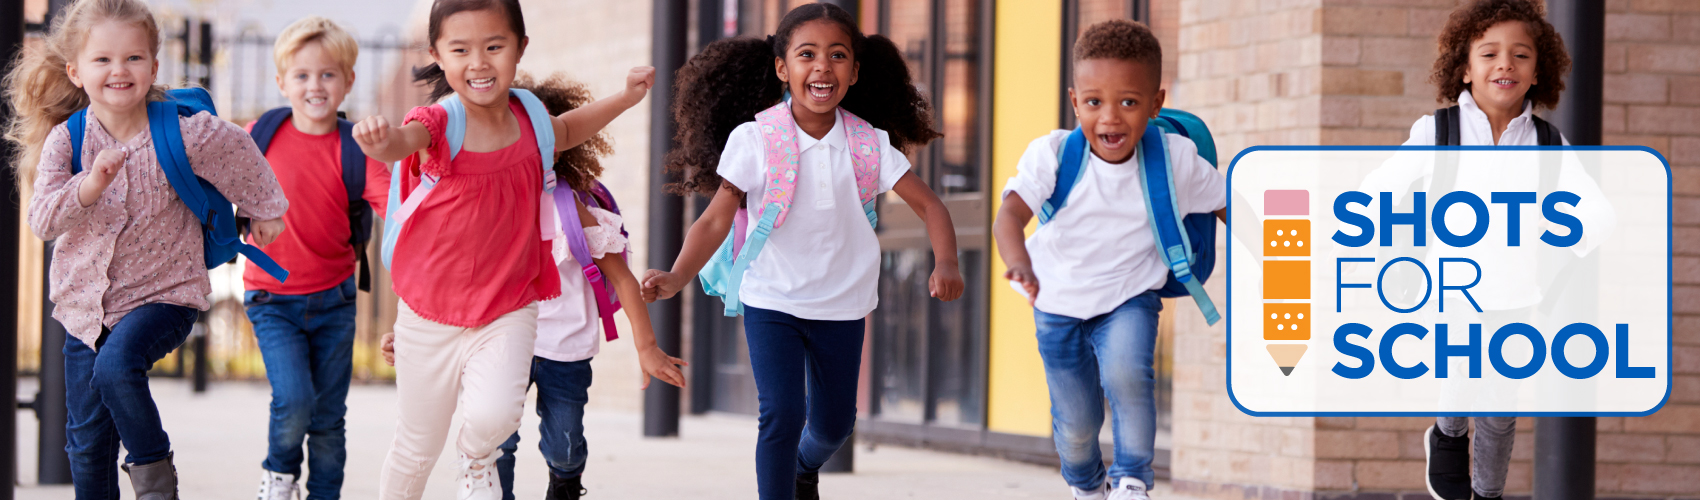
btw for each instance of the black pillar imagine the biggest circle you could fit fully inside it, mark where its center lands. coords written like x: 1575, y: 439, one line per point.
x: 53, y: 466
x: 666, y: 211
x: 11, y: 42
x: 1564, y: 446
x: 705, y: 313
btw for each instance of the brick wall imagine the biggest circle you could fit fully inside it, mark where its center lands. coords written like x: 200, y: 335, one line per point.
x: 1340, y: 72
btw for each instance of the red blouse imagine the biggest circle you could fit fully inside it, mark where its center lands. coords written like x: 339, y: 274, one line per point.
x: 473, y: 251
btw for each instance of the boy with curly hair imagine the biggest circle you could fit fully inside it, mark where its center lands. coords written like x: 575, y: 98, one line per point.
x: 1098, y: 260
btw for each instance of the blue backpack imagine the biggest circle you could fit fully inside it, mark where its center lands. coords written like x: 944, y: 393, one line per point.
x: 219, y: 238
x: 1186, y: 244
x: 353, y: 181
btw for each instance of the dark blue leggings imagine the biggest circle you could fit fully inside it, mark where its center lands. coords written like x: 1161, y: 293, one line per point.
x: 806, y: 375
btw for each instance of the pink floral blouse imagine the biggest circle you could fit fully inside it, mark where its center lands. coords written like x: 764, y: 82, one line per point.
x: 139, y: 244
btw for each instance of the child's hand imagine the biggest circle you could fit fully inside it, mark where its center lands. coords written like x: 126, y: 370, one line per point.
x: 658, y: 364
x: 662, y: 285
x: 373, y: 135
x: 638, y: 82
x: 267, y: 231
x: 387, y: 347
x: 1028, y: 282
x: 106, y: 167
x: 946, y: 282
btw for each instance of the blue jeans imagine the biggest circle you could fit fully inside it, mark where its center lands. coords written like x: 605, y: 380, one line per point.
x: 107, y: 399
x: 562, y: 391
x: 1089, y: 361
x: 806, y: 376
x: 307, y: 342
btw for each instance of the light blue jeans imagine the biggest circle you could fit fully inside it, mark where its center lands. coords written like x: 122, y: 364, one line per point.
x: 1088, y: 361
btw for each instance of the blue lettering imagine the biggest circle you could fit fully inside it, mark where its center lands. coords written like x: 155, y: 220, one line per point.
x: 1549, y: 209
x: 1343, y: 344
x: 1414, y: 218
x: 1514, y: 214
x: 1496, y: 351
x: 1445, y: 234
x: 1381, y: 290
x: 1343, y: 212
x: 1338, y: 286
x: 1392, y: 336
x: 1464, y: 289
x: 1560, y: 361
x: 1623, y: 368
x: 1443, y: 350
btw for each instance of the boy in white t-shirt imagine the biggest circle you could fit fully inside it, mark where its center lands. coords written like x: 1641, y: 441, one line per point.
x: 1097, y: 258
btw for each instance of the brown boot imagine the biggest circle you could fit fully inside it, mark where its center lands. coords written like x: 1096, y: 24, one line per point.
x: 155, y: 481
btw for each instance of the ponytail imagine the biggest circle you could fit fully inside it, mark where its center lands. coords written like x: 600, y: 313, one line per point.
x: 720, y: 88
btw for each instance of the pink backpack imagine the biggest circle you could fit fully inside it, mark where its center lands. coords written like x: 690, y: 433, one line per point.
x: 724, y: 273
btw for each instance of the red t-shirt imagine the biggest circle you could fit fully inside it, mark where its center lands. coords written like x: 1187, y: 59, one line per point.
x: 473, y: 250
x: 314, y: 246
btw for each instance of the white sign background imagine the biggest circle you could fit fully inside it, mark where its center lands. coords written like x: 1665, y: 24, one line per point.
x: 1632, y: 286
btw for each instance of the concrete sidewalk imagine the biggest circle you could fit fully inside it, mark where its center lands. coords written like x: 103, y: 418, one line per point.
x: 219, y: 438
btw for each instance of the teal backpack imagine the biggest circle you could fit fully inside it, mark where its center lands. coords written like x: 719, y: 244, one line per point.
x: 1186, y: 244
x: 219, y: 238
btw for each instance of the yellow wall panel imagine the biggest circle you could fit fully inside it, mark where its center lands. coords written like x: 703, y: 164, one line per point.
x: 1024, y: 106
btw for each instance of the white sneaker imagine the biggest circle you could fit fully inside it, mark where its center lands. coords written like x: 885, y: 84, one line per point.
x: 1131, y: 488
x: 480, y: 483
x: 275, y: 486
x: 1096, y: 494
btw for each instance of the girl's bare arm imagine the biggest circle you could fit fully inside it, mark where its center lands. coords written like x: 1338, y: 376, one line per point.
x: 704, y: 238
x: 946, y: 281
x: 651, y: 359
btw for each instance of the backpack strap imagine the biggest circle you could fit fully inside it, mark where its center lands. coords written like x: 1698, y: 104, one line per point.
x: 266, y: 127
x: 865, y: 159
x: 779, y: 141
x: 566, y: 203
x: 1164, y: 210
x: 1545, y: 133
x: 77, y: 126
x: 1447, y: 126
x: 1071, y: 168
x: 218, y: 222
x: 359, y: 210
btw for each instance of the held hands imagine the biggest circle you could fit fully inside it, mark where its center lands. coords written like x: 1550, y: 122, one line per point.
x: 658, y: 364
x: 266, y: 231
x: 1024, y: 276
x: 106, y: 167
x: 662, y: 285
x: 946, y: 282
x: 638, y: 82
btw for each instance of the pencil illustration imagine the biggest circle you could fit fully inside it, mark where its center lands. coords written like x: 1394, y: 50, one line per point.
x: 1286, y: 275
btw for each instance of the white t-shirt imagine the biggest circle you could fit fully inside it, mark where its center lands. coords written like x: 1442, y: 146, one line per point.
x: 569, y: 327
x: 823, y: 262
x: 1509, y: 277
x: 1098, y: 251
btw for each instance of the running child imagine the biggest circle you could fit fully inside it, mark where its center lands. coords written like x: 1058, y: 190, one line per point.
x: 470, y: 260
x: 1098, y: 260
x: 812, y: 165
x: 129, y: 270
x: 305, y: 327
x: 1499, y: 61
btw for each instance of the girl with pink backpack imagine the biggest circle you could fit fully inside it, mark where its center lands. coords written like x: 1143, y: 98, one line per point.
x: 811, y: 124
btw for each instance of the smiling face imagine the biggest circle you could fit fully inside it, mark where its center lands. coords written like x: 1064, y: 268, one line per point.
x: 1113, y: 99
x: 116, y: 66
x: 1502, y: 66
x: 818, y: 67
x: 315, y: 83
x: 479, y: 54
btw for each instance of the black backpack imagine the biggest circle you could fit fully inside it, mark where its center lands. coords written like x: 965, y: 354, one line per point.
x: 353, y: 179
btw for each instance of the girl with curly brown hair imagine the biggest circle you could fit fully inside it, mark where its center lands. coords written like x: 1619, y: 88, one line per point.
x: 812, y: 123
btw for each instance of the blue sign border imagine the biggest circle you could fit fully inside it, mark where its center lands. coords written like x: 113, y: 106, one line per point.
x: 1669, y: 280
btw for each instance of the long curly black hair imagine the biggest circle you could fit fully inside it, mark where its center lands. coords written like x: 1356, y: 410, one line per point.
x: 731, y: 80
x: 580, y: 166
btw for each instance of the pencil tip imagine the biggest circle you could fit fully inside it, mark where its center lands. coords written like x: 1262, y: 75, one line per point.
x: 1287, y: 370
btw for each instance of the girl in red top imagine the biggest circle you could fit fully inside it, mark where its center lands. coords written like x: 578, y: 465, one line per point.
x: 470, y: 264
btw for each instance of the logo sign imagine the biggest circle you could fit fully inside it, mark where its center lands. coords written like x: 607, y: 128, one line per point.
x: 1449, y: 281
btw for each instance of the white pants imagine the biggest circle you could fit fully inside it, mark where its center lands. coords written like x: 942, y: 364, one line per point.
x: 486, y: 368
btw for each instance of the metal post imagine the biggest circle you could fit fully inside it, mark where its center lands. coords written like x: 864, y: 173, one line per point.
x: 53, y: 465
x: 1564, y: 446
x: 11, y: 42
x: 845, y: 459
x: 711, y: 26
x: 666, y: 211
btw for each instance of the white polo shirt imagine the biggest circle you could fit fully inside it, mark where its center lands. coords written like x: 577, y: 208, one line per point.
x: 1098, y: 251
x: 823, y: 263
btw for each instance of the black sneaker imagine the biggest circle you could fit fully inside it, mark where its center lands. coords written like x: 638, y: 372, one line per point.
x: 808, y: 486
x: 565, y: 488
x: 1448, y: 465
